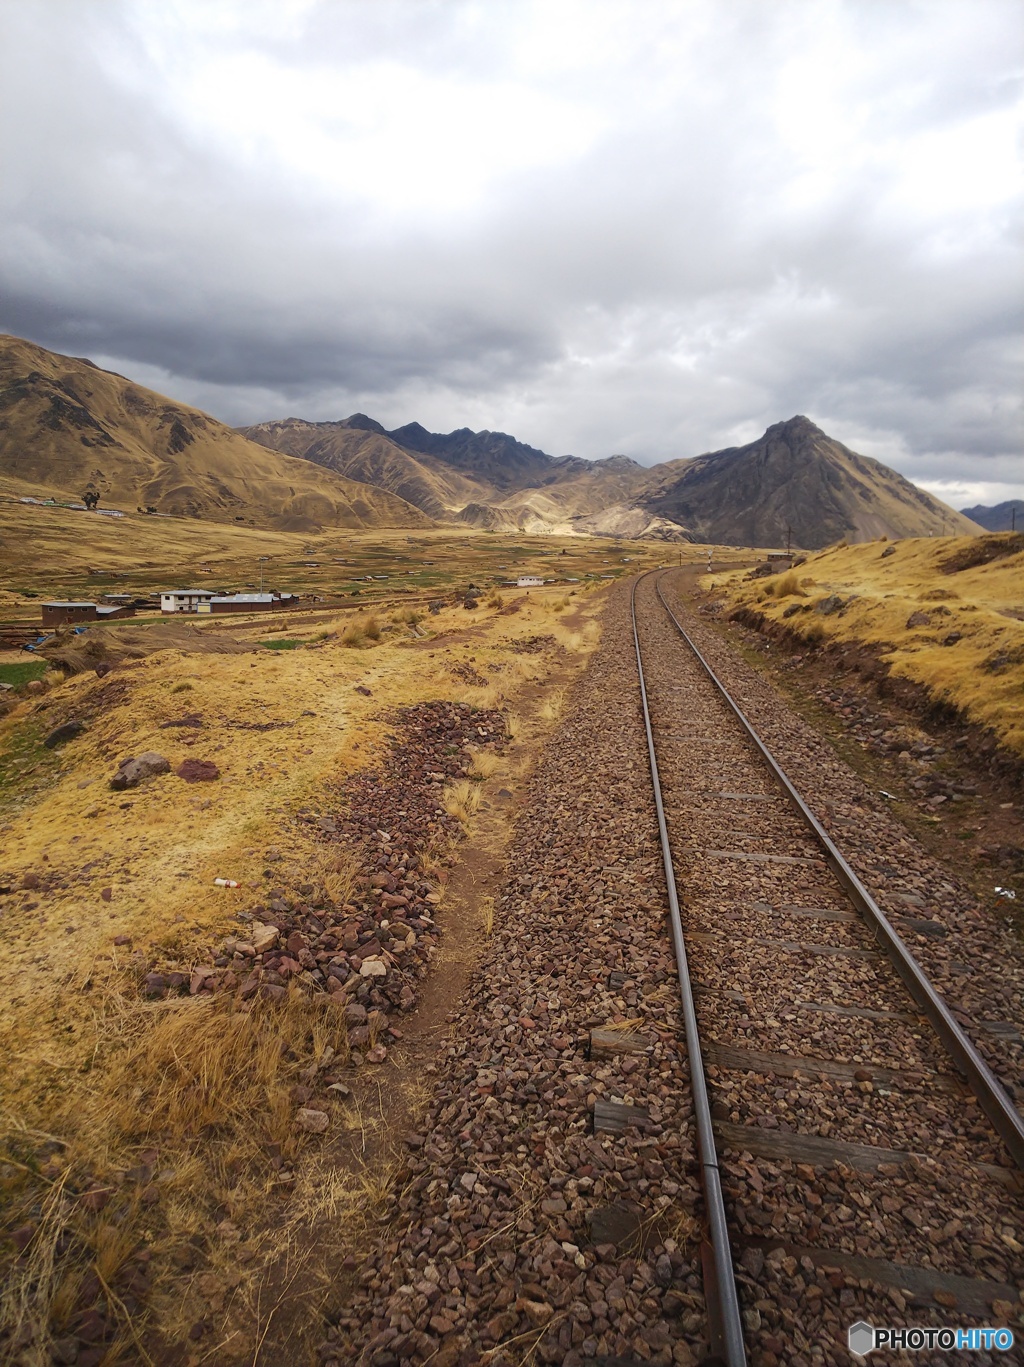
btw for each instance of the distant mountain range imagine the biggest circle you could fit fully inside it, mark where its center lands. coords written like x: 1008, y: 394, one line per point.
x: 66, y: 426
x: 1001, y: 517
x: 794, y: 483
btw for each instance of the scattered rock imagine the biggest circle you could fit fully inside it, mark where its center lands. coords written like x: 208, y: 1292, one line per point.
x: 829, y: 605
x: 197, y: 770
x: 313, y: 1122
x: 263, y: 937
x: 131, y: 772
x: 919, y: 619
x: 62, y: 734
x: 537, y: 1312
x: 65, y: 1350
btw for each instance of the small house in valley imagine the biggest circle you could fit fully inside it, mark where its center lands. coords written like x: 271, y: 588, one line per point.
x: 184, y: 600
x: 61, y: 613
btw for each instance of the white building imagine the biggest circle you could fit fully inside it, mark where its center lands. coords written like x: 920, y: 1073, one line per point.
x: 529, y: 581
x: 184, y: 600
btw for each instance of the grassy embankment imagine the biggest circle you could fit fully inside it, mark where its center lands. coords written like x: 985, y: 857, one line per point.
x: 944, y: 613
x: 101, y: 1086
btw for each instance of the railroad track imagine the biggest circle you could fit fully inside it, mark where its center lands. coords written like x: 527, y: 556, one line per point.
x: 846, y: 1125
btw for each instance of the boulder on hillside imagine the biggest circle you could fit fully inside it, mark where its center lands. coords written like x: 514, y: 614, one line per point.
x: 132, y: 771
x: 62, y: 734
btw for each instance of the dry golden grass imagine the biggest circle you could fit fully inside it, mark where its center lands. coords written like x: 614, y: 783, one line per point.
x: 969, y: 654
x: 205, y: 1086
x: 198, y: 1065
x: 460, y: 800
x: 365, y: 630
x: 484, y: 764
x: 332, y: 872
x: 108, y: 1075
x: 584, y: 639
x: 551, y: 707
x: 785, y: 585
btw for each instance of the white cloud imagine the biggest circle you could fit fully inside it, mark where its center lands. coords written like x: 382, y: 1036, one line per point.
x: 602, y: 226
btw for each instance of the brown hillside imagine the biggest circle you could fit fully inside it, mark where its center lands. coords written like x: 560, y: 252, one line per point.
x: 67, y: 425
x: 573, y: 502
x: 360, y: 449
x: 795, y: 478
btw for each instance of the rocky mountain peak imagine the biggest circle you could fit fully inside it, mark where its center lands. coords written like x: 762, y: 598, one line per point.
x: 362, y: 423
x: 797, y: 428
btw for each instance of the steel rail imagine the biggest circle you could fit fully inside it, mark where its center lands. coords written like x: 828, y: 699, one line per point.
x: 987, y: 1089
x: 720, y: 1292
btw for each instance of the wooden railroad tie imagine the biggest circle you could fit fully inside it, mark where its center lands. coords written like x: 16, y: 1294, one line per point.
x: 926, y: 1285
x: 801, y: 1066
x: 819, y: 1152
x: 612, y: 1117
x: 608, y: 1043
x: 790, y: 946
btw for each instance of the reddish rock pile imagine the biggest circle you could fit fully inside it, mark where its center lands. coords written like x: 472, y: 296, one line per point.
x: 371, y: 951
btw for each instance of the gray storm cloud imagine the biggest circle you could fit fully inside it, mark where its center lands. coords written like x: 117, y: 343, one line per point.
x: 599, y: 226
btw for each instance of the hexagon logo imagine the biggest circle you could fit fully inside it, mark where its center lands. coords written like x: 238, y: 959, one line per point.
x: 861, y: 1338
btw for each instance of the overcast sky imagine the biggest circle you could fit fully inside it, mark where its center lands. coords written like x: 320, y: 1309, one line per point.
x: 637, y: 226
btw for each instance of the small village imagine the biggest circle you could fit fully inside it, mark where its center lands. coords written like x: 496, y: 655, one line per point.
x: 110, y: 607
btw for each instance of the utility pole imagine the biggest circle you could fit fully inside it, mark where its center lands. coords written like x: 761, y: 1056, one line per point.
x: 262, y: 559
x: 789, y: 539
x: 1013, y: 519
